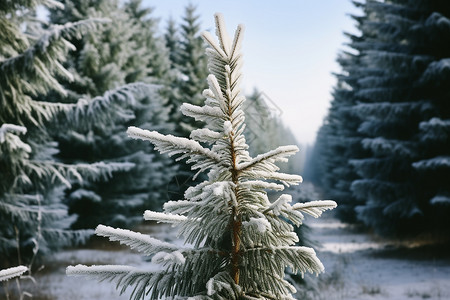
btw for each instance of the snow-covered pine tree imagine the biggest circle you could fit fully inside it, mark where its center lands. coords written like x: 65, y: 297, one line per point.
x: 191, y: 69
x: 34, y: 219
x: 119, y: 53
x: 338, y: 139
x: 392, y: 100
x: 172, y: 41
x: 405, y: 113
x: 237, y: 243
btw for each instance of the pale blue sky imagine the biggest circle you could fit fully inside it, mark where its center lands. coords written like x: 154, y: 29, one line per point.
x: 289, y: 47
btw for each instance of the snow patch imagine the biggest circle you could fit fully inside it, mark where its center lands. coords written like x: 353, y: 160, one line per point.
x: 227, y: 127
x: 12, y: 272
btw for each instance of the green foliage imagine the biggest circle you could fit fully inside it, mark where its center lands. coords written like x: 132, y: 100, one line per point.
x: 34, y: 220
x: 189, y: 68
x: 106, y: 65
x: 384, y: 144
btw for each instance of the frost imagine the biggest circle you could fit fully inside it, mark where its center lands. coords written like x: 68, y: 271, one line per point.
x: 12, y: 272
x: 433, y: 163
x: 11, y: 128
x: 218, y: 188
x: 286, y: 179
x: 210, y: 287
x: 389, y: 147
x: 140, y: 242
x: 8, y: 134
x: 282, y: 203
x: 163, y: 217
x: 261, y: 224
x: 82, y: 193
x: 227, y: 127
x: 315, y: 208
x: 201, y: 113
x: 205, y: 135
x: 263, y: 185
x: 162, y: 257
x: 84, y: 270
x: 440, y: 200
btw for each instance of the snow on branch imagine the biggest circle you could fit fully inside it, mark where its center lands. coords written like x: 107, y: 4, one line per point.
x: 282, y: 203
x: 286, y: 179
x: 8, y: 134
x: 259, y: 184
x: 440, y: 200
x: 432, y: 163
x: 203, y: 158
x: 237, y: 41
x: 278, y: 154
x: 138, y: 241
x: 202, y: 113
x: 205, y: 135
x: 163, y: 217
x: 11, y: 128
x: 12, y: 272
x: 221, y: 32
x: 281, y: 207
x: 210, y: 41
x: 66, y: 173
x: 315, y: 208
x: 298, y: 258
x: 100, y: 270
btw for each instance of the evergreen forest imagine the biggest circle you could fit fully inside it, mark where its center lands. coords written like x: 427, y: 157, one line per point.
x: 108, y: 112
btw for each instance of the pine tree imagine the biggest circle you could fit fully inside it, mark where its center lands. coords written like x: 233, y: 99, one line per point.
x: 338, y: 140
x: 172, y: 42
x: 34, y: 219
x: 118, y: 54
x: 241, y: 243
x: 405, y: 173
x: 191, y: 69
x: 396, y: 95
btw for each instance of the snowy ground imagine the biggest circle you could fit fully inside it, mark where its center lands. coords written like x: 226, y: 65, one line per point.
x: 356, y: 268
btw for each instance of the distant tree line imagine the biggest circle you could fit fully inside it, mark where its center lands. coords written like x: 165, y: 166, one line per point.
x: 383, y: 152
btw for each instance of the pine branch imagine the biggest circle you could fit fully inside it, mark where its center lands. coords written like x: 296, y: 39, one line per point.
x: 202, y: 158
x: 302, y: 259
x: 123, y: 276
x: 33, y: 72
x: 140, y: 242
x: 315, y: 208
x: 260, y: 161
x: 163, y: 217
x: 286, y: 179
x: 12, y: 272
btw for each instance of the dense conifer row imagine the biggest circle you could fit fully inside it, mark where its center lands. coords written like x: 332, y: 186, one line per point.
x: 384, y: 149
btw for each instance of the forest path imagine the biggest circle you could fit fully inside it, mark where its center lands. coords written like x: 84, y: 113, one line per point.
x: 360, y: 266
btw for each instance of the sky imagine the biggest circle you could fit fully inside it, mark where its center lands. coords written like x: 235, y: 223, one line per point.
x: 290, y: 49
